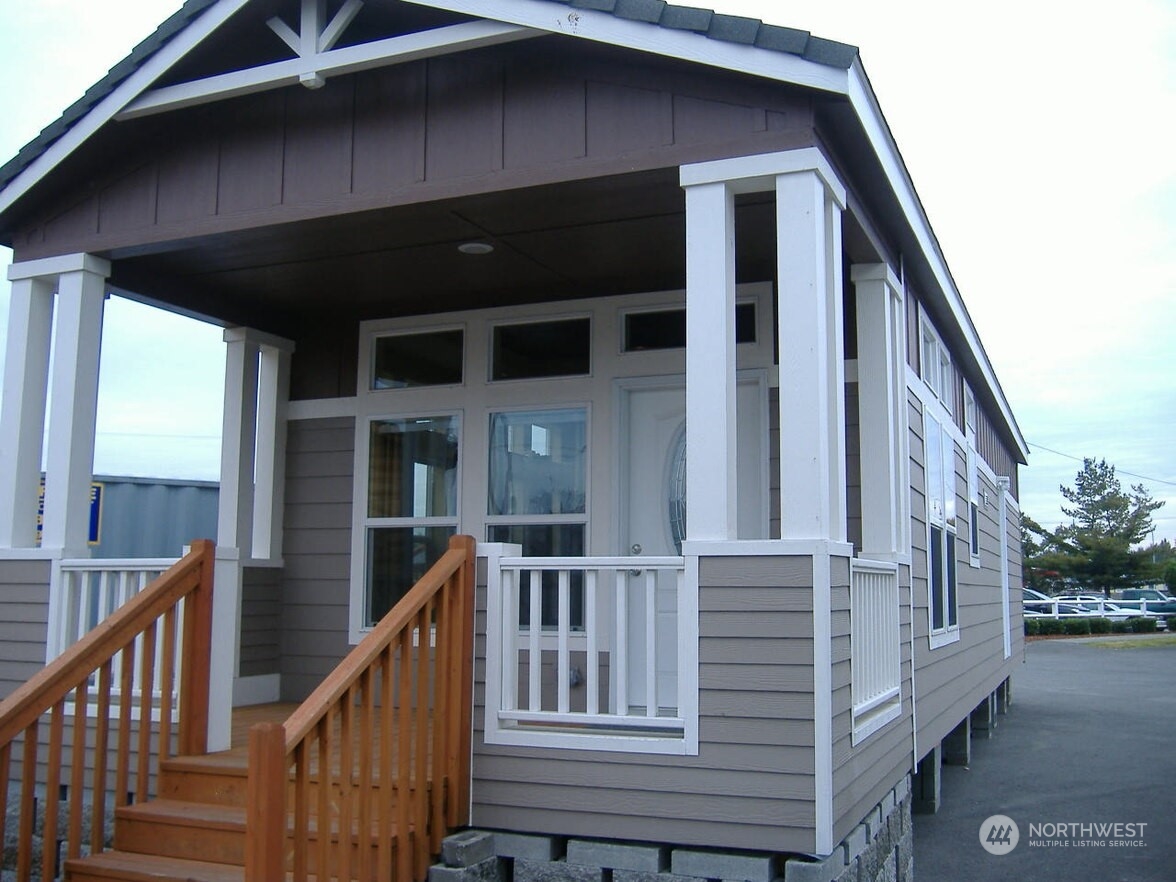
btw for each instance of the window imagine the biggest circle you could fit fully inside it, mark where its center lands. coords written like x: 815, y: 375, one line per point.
x: 433, y: 358
x: 936, y: 367
x: 560, y: 348
x: 536, y: 495
x: 973, y: 477
x: 411, y: 505
x: 666, y: 328
x: 941, y: 532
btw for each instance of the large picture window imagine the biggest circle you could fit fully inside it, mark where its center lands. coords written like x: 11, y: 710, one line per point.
x: 536, y: 495
x: 412, y: 505
x: 941, y: 531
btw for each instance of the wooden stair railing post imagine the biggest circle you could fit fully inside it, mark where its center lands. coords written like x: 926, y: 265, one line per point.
x: 197, y: 654
x: 265, y: 804
x: 465, y: 652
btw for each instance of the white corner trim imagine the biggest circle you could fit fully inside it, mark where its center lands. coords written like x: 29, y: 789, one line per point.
x: 602, y: 27
x: 56, y: 266
x: 322, y: 408
x: 757, y: 174
x: 258, y: 689
x: 823, y: 703
x: 152, y: 69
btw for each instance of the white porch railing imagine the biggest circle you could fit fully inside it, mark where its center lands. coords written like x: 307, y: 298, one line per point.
x: 587, y: 645
x: 875, y: 660
x: 84, y: 592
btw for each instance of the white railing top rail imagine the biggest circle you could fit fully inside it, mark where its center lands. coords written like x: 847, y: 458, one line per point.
x: 590, y: 563
x: 865, y: 565
x: 99, y: 564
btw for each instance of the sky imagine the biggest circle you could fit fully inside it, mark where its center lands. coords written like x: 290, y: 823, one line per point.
x: 1040, y: 137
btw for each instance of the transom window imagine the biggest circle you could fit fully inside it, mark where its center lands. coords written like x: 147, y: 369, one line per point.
x: 666, y: 328
x: 561, y: 348
x: 432, y: 358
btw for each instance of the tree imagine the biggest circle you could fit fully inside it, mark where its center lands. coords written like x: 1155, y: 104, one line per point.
x: 1096, y: 547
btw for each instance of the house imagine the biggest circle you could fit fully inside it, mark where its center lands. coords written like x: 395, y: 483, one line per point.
x: 639, y: 296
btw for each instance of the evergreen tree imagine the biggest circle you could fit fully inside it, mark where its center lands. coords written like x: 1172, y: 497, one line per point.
x: 1096, y: 547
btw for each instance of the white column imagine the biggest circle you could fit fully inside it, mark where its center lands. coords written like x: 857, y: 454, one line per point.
x: 711, y: 504
x: 269, y: 489
x: 881, y: 380
x: 22, y: 419
x: 238, y: 443
x: 69, y: 465
x: 812, y: 370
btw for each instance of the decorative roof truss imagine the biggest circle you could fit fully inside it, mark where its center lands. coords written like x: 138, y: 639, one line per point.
x: 317, y: 58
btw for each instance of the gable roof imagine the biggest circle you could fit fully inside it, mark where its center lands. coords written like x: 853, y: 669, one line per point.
x: 692, y: 34
x: 717, y: 26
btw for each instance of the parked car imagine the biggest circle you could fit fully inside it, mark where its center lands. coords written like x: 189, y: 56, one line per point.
x: 1099, y: 606
x: 1035, y: 603
x: 1150, y: 599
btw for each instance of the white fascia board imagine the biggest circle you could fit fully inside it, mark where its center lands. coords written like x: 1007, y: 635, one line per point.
x: 602, y: 27
x: 865, y: 105
x: 105, y: 110
x: 379, y: 53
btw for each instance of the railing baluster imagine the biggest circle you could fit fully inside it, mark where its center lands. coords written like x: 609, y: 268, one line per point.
x: 384, y: 854
x: 592, y: 663
x: 146, y: 688
x: 301, y: 803
x: 366, y: 739
x: 441, y: 709
x: 420, y: 837
x: 122, y: 772
x: 53, y: 790
x: 77, y: 772
x: 28, y: 804
x: 326, y: 729
x: 534, y: 634
x: 404, y: 759
x: 651, y: 643
x: 346, y: 797
x: 5, y: 761
x: 621, y: 644
x: 167, y: 682
x: 563, y: 663
x: 509, y: 637
x: 101, y: 744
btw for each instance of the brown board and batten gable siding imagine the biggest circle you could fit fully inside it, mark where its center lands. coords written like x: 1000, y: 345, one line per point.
x: 952, y: 679
x: 317, y: 552
x: 546, y: 111
x: 752, y: 784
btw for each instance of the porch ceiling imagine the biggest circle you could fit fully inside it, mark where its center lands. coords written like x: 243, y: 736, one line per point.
x: 587, y: 238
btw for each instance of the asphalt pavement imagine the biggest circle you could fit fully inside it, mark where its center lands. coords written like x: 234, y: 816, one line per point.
x: 1089, y: 743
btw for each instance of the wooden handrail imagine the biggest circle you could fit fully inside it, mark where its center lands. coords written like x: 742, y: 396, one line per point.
x: 422, y: 770
x: 191, y: 575
x: 128, y: 637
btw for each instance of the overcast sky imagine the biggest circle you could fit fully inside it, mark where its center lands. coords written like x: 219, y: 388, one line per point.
x: 1040, y: 136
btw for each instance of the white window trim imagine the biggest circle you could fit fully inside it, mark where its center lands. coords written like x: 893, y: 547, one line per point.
x: 937, y: 377
x: 357, y: 628
x: 974, y: 500
x: 949, y: 633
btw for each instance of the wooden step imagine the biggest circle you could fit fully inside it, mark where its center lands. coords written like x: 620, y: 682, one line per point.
x: 187, y: 830
x: 131, y: 867
x: 214, y: 779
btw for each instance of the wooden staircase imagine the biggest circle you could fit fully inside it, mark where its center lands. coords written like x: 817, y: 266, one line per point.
x: 193, y: 832
x: 359, y: 782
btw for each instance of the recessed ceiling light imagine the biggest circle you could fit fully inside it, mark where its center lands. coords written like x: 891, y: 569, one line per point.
x: 475, y: 247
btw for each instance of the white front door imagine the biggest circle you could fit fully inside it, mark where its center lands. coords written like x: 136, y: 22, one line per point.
x: 654, y: 508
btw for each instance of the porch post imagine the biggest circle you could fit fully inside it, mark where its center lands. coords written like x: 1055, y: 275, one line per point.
x: 69, y: 466
x: 22, y: 420
x: 882, y: 412
x: 253, y: 445
x: 809, y: 203
x: 711, y: 504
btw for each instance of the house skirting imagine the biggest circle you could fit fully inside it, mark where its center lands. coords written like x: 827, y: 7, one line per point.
x: 879, y: 849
